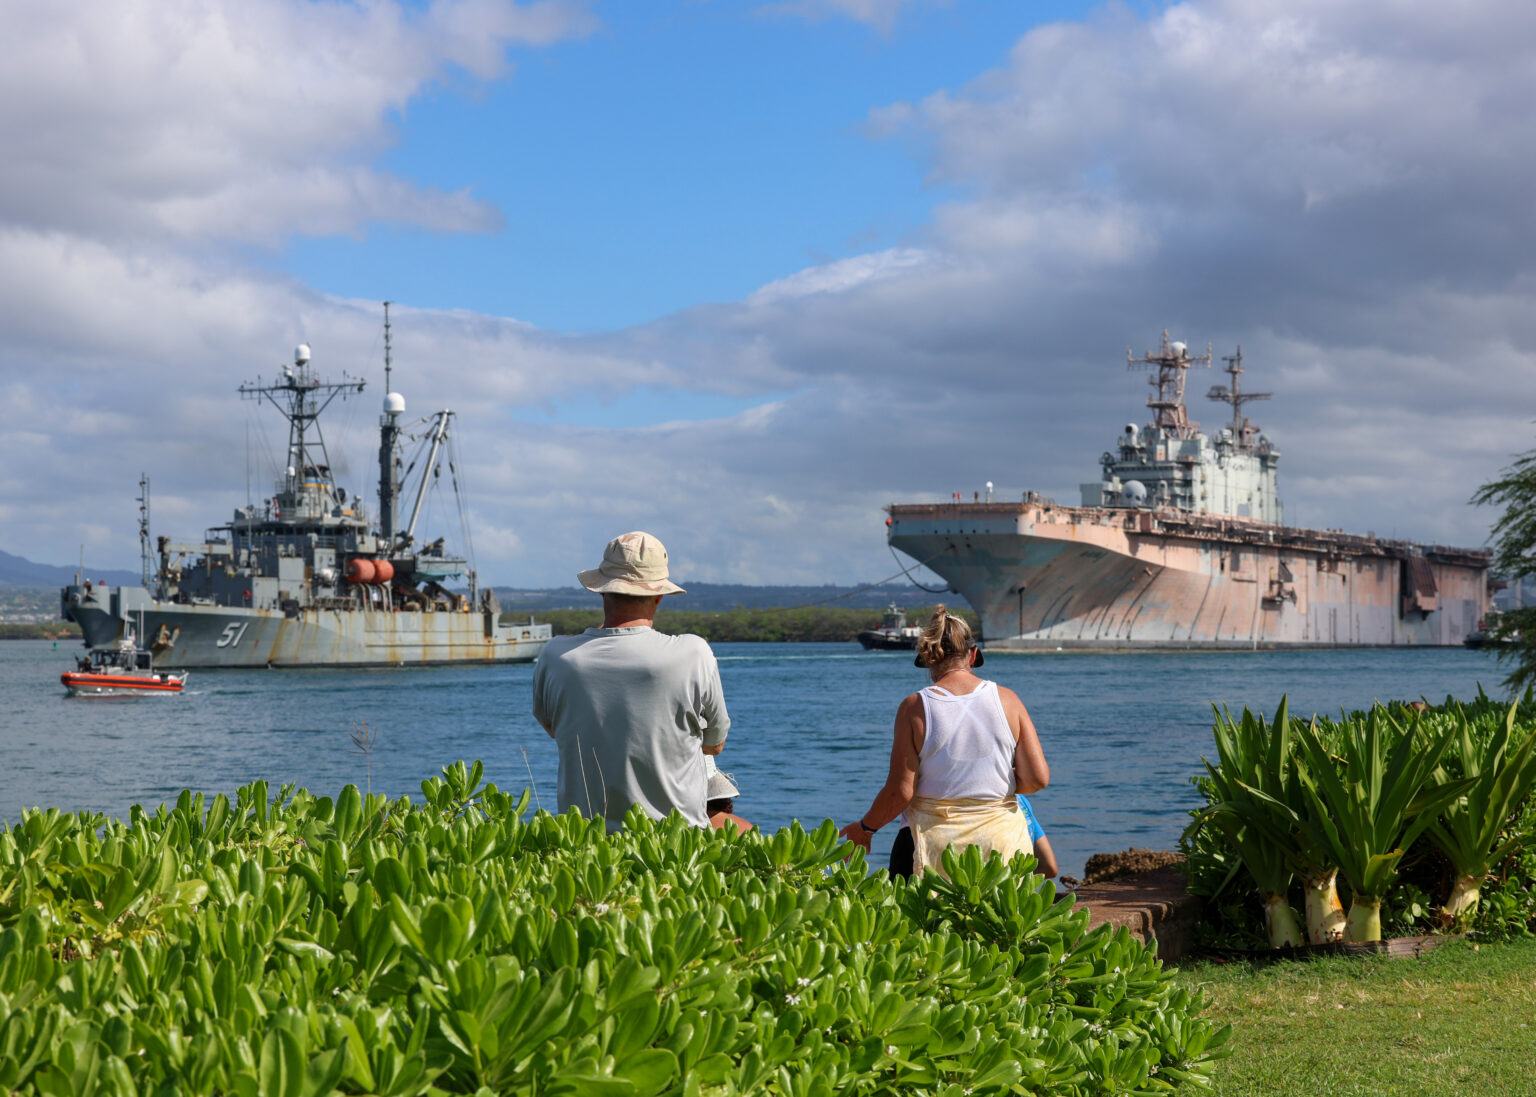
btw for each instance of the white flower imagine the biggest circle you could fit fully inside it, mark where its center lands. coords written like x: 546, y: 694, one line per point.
x: 792, y: 999
x: 802, y: 982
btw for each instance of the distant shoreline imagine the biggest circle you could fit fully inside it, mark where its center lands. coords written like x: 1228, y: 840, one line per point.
x: 18, y: 630
x: 759, y: 625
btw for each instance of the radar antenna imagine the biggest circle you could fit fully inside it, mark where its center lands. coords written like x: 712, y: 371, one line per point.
x: 300, y: 396
x: 387, y: 389
x: 1173, y: 361
x: 144, y: 556
x: 1242, y: 429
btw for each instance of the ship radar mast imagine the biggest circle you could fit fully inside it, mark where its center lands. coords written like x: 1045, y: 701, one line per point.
x: 1172, y: 363
x: 301, y: 397
x: 389, y: 441
x: 1243, y: 431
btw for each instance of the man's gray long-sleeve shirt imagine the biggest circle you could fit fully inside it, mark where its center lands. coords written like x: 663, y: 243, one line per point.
x: 630, y: 710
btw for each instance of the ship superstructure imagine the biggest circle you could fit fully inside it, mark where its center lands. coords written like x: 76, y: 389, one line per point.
x: 308, y: 577
x: 1181, y: 543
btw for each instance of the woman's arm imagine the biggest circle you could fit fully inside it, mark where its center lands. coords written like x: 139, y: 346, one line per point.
x: 1031, y: 773
x: 893, y: 799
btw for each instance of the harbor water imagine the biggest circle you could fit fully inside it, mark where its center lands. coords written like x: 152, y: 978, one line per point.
x: 811, y: 733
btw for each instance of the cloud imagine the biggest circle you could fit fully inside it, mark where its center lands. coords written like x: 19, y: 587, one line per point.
x: 880, y: 14
x: 190, y: 121
x: 1339, y: 189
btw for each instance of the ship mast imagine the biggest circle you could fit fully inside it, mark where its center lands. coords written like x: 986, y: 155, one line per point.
x: 144, y: 555
x: 301, y: 398
x: 389, y: 438
x: 1241, y: 428
x: 1172, y: 362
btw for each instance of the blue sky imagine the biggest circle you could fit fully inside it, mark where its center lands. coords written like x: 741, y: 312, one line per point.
x: 678, y: 154
x: 742, y: 273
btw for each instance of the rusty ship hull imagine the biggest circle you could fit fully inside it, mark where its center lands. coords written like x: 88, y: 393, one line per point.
x: 1049, y: 577
x: 308, y: 636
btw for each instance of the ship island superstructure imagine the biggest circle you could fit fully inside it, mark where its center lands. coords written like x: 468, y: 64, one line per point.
x: 309, y: 578
x: 1181, y: 544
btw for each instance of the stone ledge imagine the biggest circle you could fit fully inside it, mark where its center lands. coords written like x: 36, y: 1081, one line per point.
x: 1155, y: 906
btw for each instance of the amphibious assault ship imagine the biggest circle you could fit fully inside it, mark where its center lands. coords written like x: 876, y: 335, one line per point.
x: 309, y: 578
x: 1182, y: 544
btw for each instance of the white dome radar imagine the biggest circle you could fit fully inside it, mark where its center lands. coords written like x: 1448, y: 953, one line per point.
x: 394, y: 404
x: 1179, y: 350
x: 301, y: 354
x: 1134, y: 492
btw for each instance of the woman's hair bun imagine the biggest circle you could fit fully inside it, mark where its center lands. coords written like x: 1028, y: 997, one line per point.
x: 946, y: 638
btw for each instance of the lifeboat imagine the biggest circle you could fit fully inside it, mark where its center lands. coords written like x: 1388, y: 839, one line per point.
x: 119, y: 672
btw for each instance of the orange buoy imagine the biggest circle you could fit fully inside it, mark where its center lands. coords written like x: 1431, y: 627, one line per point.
x: 383, y: 571
x: 360, y: 570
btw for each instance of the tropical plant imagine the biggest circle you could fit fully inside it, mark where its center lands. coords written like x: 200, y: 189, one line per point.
x: 302, y: 945
x: 1474, y: 830
x: 1244, y: 789
x: 1371, y: 800
x: 1276, y: 803
x: 1514, y: 553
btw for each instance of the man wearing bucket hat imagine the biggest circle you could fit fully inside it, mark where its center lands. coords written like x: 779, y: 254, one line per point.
x: 632, y: 711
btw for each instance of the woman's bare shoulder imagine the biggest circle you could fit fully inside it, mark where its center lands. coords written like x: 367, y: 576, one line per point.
x: 1009, y: 698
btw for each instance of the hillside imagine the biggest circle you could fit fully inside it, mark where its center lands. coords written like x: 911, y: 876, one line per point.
x: 706, y: 597
x: 17, y: 571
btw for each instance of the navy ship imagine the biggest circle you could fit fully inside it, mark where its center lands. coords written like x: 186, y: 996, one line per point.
x: 1181, y: 543
x: 309, y: 578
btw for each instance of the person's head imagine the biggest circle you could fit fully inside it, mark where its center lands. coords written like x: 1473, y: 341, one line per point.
x: 634, y: 565
x: 946, y: 644
x: 630, y: 607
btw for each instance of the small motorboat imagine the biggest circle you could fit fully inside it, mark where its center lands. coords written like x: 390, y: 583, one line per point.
x: 120, y: 671
x: 894, y: 634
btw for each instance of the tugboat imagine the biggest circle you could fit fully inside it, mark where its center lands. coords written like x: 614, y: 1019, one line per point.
x: 119, y: 672
x: 894, y: 634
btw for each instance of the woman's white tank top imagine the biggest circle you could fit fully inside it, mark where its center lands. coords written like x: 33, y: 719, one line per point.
x: 968, y: 747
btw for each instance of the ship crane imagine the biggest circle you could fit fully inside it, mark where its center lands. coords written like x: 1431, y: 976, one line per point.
x: 1242, y: 430
x: 1173, y: 362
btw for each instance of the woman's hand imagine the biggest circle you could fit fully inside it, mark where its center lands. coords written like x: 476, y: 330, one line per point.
x: 855, y: 833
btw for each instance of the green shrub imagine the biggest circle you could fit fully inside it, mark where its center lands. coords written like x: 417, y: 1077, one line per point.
x: 297, y: 945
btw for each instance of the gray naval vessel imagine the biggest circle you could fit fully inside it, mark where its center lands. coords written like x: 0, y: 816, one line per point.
x: 308, y: 578
x: 1181, y: 543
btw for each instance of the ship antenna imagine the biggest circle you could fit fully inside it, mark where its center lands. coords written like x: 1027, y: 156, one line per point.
x: 1236, y: 396
x: 387, y: 389
x: 144, y: 531
x: 1171, y: 363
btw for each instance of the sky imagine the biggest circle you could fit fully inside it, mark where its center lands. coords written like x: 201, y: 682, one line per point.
x: 743, y: 272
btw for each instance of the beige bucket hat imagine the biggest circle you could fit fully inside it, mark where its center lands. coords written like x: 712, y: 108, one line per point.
x: 634, y: 563
x: 722, y: 786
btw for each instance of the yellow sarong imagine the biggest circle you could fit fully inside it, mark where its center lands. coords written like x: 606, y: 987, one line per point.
x: 991, y: 824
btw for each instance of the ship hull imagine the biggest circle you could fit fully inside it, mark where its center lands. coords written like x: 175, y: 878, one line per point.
x: 1043, y: 577
x: 230, y: 636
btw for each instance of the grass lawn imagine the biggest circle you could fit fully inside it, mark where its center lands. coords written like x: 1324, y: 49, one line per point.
x: 1461, y: 1022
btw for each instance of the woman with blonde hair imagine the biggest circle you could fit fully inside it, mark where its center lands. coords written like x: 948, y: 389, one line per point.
x: 963, y: 747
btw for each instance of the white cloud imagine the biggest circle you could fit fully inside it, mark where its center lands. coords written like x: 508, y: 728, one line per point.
x: 880, y: 14
x: 228, y: 120
x: 1342, y: 189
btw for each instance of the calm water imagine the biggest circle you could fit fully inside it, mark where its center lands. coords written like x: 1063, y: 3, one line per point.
x: 810, y: 738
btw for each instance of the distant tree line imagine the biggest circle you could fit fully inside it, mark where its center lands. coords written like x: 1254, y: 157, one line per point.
x: 46, y: 630
x: 818, y: 624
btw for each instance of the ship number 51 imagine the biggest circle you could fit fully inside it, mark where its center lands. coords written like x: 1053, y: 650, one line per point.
x: 232, y: 633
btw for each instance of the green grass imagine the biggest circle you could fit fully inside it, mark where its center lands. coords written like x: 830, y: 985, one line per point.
x: 1461, y: 1022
